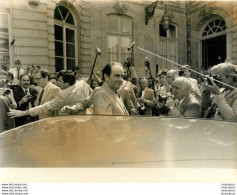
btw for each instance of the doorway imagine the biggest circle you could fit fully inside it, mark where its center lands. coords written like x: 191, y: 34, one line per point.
x: 213, y: 51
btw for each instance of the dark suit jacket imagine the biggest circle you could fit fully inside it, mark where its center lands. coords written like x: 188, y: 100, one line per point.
x: 18, y: 94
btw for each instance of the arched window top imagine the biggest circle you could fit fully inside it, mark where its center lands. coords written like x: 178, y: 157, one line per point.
x: 214, y: 27
x: 63, y: 14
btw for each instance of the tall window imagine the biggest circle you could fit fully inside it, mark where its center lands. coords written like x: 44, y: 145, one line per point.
x: 119, y: 37
x: 4, y: 40
x: 65, y: 43
x: 168, y: 46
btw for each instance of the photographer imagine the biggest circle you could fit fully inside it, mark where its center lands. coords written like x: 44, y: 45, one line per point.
x: 6, y: 91
x: 226, y: 102
x: 146, y: 96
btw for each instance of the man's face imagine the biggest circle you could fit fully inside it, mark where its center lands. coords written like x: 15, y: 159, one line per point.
x: 18, y: 65
x: 61, y: 83
x: 163, y: 79
x: 3, y: 79
x: 95, y: 84
x: 178, y: 90
x: 143, y: 83
x: 169, y: 78
x: 186, y: 72
x: 25, y: 81
x: 125, y: 74
x: 98, y: 74
x: 41, y: 82
x: 115, y: 80
x: 226, y: 79
x: 31, y: 69
x: 54, y: 81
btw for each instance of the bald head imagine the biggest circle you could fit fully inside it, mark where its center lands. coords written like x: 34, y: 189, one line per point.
x: 171, y: 75
x: 181, y: 87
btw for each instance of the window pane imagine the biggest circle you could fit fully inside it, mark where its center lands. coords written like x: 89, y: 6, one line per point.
x: 126, y: 25
x: 172, y: 49
x: 113, y: 23
x: 70, y: 64
x: 113, y: 45
x: 172, y: 31
x: 70, y: 35
x: 124, y: 43
x: 57, y: 14
x: 70, y: 50
x: 59, y: 64
x: 4, y: 41
x: 58, y: 48
x: 114, y: 57
x: 58, y: 32
x: 64, y: 11
x: 70, y: 19
x: 163, y: 32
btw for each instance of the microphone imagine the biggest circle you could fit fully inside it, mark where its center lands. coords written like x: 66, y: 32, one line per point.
x: 97, y: 51
x: 12, y: 43
x: 131, y: 45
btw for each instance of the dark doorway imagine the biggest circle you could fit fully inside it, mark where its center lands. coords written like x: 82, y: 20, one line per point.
x: 213, y: 51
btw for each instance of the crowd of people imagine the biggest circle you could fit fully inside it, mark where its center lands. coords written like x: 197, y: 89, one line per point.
x: 33, y: 93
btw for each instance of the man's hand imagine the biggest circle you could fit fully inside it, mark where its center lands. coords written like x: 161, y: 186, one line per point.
x: 141, y: 100
x: 24, y: 99
x: 69, y: 109
x: 212, y: 88
x: 132, y: 69
x: 174, y: 112
x: 170, y: 103
x: 16, y: 113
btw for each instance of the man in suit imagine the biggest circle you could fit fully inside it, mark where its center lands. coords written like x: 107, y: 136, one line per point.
x: 25, y: 97
x: 187, y: 105
x: 106, y: 100
x: 146, y: 96
x: 49, y: 91
x: 17, y: 72
x: 67, y: 96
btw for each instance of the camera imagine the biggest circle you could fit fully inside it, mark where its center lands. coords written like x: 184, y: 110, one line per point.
x: 7, y: 92
x: 29, y: 96
x: 208, y: 80
x: 128, y: 63
x: 147, y: 64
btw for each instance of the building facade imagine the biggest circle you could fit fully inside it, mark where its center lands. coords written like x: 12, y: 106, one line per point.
x: 62, y: 34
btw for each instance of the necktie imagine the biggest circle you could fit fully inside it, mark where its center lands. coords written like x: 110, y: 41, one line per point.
x: 41, y: 95
x: 26, y: 92
x: 18, y: 74
x: 177, y: 102
x: 140, y: 94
